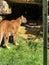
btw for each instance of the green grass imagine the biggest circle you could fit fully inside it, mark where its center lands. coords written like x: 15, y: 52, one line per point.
x: 27, y: 53
x: 48, y: 57
x: 48, y: 54
x: 48, y: 50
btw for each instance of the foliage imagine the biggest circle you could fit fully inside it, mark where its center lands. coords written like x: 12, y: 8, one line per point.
x: 27, y: 53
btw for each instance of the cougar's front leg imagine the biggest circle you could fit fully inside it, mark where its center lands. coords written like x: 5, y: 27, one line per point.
x: 6, y: 39
x: 15, y: 36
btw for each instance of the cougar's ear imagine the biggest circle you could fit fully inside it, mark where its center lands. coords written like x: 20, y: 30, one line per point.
x: 21, y: 16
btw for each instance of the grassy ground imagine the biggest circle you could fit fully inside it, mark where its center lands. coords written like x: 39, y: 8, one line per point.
x: 48, y: 54
x: 27, y: 53
x: 48, y: 50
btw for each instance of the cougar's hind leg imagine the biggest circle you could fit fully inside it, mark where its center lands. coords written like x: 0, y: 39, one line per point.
x: 1, y: 37
x: 6, y: 39
x: 0, y: 40
x: 15, y: 36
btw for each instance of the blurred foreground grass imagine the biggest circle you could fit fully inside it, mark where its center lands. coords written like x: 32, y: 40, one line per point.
x: 27, y: 53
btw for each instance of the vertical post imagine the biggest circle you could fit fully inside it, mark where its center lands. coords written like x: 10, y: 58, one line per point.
x: 45, y: 32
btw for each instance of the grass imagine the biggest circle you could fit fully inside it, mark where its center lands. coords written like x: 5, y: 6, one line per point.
x: 48, y: 50
x: 48, y: 54
x: 48, y: 57
x: 27, y: 53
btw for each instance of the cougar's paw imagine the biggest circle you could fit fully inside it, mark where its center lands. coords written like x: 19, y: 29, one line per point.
x: 7, y: 47
x: 16, y: 43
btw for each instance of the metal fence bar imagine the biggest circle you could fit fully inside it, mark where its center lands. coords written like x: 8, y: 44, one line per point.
x: 45, y: 32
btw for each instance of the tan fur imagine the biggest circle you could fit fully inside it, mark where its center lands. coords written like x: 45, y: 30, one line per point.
x: 8, y: 28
